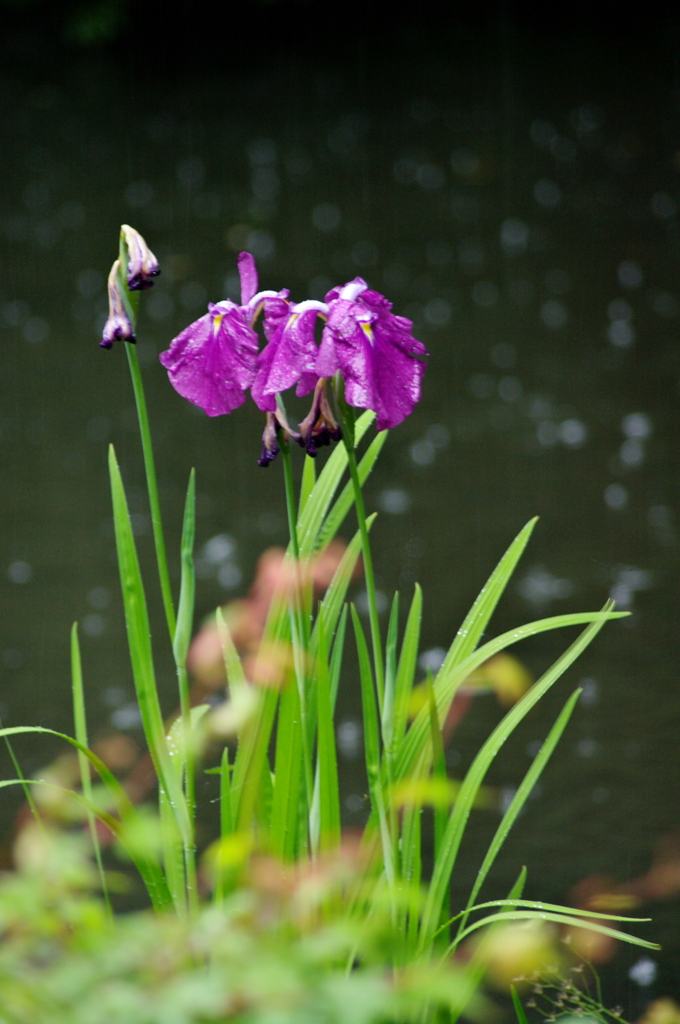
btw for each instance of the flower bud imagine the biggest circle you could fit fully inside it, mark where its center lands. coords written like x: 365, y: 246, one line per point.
x: 142, y: 264
x: 319, y: 427
x: 270, y: 446
x: 118, y: 326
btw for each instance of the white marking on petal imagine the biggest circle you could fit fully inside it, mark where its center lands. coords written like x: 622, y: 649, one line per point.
x: 353, y: 289
x: 224, y: 306
x: 303, y: 307
x: 260, y: 296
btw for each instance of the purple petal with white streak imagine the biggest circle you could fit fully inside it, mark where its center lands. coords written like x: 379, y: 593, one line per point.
x: 212, y: 362
x: 290, y: 355
x: 374, y: 351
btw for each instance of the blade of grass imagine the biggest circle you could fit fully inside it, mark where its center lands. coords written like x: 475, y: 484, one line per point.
x: 519, y: 1009
x: 141, y: 656
x: 329, y: 787
x: 334, y: 683
x: 299, y: 632
x: 149, y: 869
x: 568, y: 919
x: 515, y: 902
x: 80, y: 728
x: 20, y: 775
x: 122, y: 802
x: 336, y: 657
x: 253, y: 747
x: 476, y: 966
x: 518, y: 888
x: 308, y: 481
x: 226, y: 820
x: 407, y: 666
x: 324, y: 489
x: 468, y: 791
x: 287, y: 775
x: 388, y: 711
x: 251, y: 757
x: 520, y: 798
x: 329, y: 612
x: 446, y: 683
x: 275, y: 644
x: 411, y: 869
x: 182, y: 639
x: 232, y: 663
x: 185, y: 611
x: 439, y: 772
x: 372, y: 747
x: 411, y: 857
x: 180, y: 863
x: 343, y: 503
x: 266, y: 797
x: 478, y: 617
x: 347, y: 417
x: 438, y: 767
x: 334, y: 597
x: 173, y: 855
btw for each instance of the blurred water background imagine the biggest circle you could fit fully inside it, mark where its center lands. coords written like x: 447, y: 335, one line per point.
x: 516, y: 193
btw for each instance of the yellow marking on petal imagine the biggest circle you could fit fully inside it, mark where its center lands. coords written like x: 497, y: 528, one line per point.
x: 216, y: 323
x: 366, y: 328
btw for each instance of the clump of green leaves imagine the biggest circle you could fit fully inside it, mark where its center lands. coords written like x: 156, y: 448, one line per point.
x: 379, y: 939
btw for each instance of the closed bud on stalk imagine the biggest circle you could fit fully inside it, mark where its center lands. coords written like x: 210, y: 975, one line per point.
x: 142, y: 264
x: 118, y: 326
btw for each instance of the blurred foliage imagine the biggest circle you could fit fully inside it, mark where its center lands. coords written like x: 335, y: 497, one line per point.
x: 279, y: 949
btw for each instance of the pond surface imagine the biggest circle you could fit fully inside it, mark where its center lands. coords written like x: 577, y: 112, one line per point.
x: 518, y: 200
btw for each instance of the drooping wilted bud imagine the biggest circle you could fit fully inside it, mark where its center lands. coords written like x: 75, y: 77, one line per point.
x: 118, y: 326
x: 319, y: 427
x: 270, y: 446
x: 142, y: 264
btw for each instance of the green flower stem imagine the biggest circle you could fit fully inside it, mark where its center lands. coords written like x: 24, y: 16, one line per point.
x: 152, y: 485
x: 376, y: 641
x: 297, y: 618
x: 189, y: 787
x: 290, y: 494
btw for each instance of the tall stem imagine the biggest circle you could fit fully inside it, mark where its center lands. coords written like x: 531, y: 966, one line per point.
x: 376, y: 641
x: 296, y: 619
x: 290, y: 495
x: 189, y: 787
x: 152, y: 486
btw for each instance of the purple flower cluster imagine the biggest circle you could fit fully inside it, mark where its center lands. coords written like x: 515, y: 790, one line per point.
x: 215, y: 360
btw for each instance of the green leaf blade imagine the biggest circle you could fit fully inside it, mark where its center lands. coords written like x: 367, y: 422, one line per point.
x: 477, y: 771
x: 141, y: 655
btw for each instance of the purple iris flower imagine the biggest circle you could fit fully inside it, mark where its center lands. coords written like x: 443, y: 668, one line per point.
x: 212, y: 362
x: 291, y: 353
x: 142, y: 264
x: 374, y: 351
x: 118, y: 326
